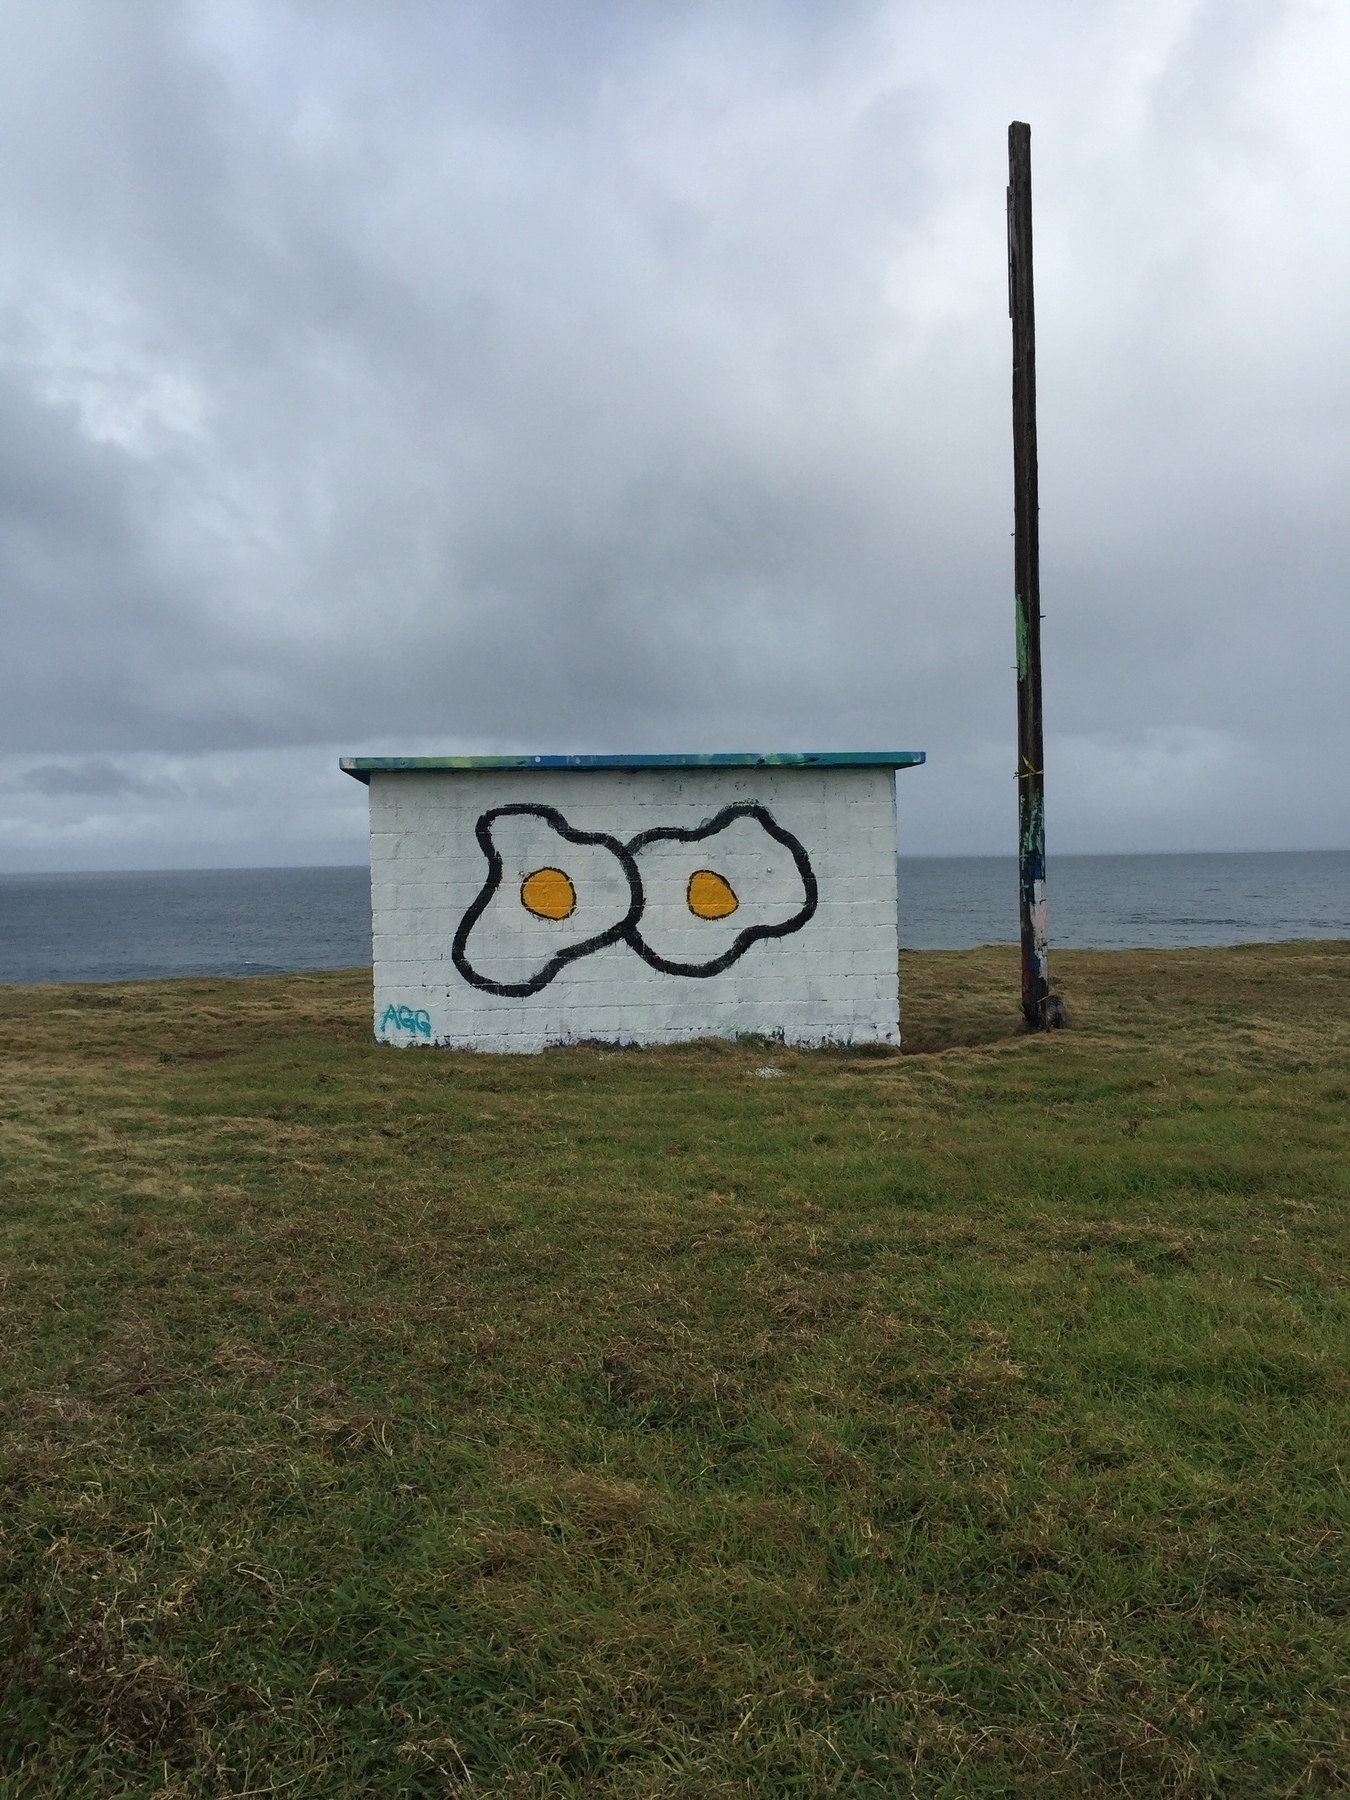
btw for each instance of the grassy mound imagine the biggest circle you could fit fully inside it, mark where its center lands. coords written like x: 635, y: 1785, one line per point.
x: 712, y: 1421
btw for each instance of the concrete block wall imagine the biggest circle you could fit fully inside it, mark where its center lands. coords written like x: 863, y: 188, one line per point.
x: 808, y: 853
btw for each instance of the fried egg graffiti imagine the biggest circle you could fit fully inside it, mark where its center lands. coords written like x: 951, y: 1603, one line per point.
x: 711, y: 892
x: 688, y: 901
x: 552, y: 894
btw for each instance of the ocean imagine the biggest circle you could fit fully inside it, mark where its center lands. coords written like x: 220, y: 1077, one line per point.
x: 128, y: 927
x: 1131, y: 902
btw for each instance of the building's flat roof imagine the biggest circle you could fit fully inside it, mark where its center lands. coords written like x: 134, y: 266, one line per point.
x: 363, y: 767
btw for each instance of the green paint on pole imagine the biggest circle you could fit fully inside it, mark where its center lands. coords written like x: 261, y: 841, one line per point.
x: 1033, y: 832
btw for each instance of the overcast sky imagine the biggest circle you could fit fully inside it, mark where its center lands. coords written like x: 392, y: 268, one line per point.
x: 479, y: 375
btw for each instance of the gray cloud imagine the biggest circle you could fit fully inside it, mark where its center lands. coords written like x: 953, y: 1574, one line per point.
x: 87, y: 779
x: 605, y: 377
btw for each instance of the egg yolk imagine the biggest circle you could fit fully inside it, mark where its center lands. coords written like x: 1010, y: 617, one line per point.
x: 548, y: 894
x: 709, y: 896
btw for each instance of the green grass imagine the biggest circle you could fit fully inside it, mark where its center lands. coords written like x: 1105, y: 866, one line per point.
x: 970, y: 1421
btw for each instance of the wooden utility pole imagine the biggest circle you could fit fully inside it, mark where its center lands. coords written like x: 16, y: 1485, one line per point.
x: 1041, y: 1009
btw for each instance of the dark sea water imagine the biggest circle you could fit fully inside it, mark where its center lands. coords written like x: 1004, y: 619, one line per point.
x: 1131, y: 902
x: 184, y: 922
x: 270, y: 921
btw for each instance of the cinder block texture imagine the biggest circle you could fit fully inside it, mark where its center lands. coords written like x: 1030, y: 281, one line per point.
x: 518, y: 909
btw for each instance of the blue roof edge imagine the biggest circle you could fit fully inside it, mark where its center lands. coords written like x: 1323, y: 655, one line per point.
x: 361, y: 768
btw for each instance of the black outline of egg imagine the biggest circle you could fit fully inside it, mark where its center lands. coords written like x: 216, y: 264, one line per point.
x: 742, y: 809
x: 551, y: 816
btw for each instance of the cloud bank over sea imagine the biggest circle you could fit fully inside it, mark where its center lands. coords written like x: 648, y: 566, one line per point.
x: 597, y: 377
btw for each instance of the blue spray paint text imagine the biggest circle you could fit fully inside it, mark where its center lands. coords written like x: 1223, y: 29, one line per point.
x: 403, y: 1018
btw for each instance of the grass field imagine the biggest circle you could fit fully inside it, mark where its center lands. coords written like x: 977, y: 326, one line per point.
x: 967, y: 1421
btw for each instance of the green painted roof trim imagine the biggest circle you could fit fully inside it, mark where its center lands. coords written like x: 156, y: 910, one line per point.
x: 363, y: 767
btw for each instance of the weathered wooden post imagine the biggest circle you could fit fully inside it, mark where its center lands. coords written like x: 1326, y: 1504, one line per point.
x: 1042, y: 1009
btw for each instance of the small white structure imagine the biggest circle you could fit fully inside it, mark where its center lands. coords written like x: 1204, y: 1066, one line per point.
x: 523, y: 901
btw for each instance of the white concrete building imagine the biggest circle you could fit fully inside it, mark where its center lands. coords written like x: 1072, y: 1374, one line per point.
x: 523, y: 901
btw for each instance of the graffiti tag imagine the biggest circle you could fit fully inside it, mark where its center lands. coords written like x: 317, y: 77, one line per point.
x: 404, y: 1018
